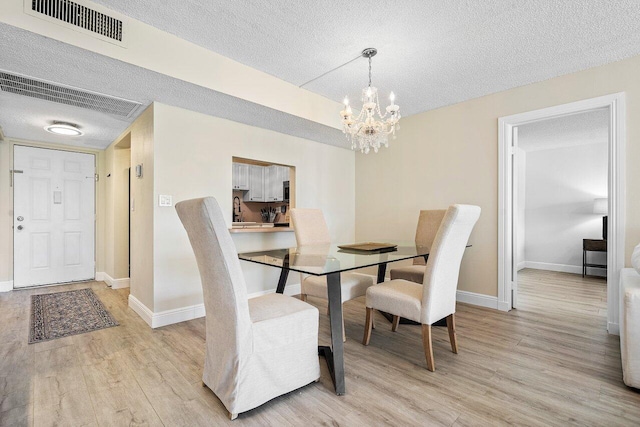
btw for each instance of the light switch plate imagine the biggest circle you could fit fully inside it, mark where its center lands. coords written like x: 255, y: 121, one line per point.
x: 164, y: 200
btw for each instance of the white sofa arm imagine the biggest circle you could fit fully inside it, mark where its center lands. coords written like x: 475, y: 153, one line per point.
x: 630, y: 326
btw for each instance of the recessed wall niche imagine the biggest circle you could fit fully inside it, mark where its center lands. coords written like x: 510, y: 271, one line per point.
x: 263, y: 193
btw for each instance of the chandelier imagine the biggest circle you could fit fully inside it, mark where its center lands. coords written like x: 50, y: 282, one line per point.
x: 370, y: 129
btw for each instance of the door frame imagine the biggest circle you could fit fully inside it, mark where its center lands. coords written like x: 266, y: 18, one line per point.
x: 20, y: 143
x: 616, y: 194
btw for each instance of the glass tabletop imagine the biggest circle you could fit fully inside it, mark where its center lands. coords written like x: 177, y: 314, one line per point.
x: 320, y: 260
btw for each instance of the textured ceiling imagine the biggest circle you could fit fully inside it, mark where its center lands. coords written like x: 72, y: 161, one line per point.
x: 431, y: 52
x: 591, y: 127
x: 27, y: 53
x: 25, y: 118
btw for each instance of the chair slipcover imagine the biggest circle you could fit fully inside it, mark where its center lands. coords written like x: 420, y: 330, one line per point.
x: 311, y: 229
x: 436, y: 298
x: 428, y: 223
x: 256, y: 349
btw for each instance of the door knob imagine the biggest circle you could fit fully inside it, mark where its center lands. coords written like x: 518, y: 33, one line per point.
x: 20, y: 218
x: 20, y: 227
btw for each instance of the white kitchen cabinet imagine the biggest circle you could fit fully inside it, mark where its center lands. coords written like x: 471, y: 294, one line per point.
x: 240, y: 176
x: 256, y: 191
x: 264, y: 183
x: 274, y: 179
x: 271, y: 178
x: 285, y: 173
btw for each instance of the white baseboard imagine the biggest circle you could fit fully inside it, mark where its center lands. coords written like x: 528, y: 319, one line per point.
x: 521, y: 265
x: 504, y: 306
x: 182, y: 314
x: 164, y: 318
x: 177, y: 315
x: 120, y: 283
x: 141, y: 310
x: 101, y: 276
x: 6, y: 286
x: 564, y: 268
x: 613, y: 328
x: 477, y: 299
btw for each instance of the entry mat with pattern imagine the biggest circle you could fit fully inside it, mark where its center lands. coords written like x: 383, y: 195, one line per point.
x: 62, y: 314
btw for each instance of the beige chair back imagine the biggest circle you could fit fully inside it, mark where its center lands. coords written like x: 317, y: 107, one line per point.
x: 310, y: 227
x: 428, y: 223
x: 443, y: 267
x: 224, y: 289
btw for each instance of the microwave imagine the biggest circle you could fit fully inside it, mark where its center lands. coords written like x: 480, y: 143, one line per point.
x: 285, y: 191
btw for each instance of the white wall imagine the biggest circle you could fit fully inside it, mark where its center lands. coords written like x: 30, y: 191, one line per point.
x: 450, y: 155
x: 192, y: 158
x: 139, y: 138
x: 116, y: 181
x: 561, y: 185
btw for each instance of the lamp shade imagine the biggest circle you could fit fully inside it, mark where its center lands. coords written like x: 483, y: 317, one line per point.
x: 601, y: 206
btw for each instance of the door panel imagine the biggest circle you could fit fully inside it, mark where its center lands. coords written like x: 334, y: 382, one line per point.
x: 40, y: 250
x: 72, y: 248
x: 72, y: 166
x: 40, y: 205
x: 72, y: 200
x: 54, y: 216
x: 40, y: 163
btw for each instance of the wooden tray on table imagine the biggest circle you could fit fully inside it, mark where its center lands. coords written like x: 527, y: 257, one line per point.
x: 369, y: 247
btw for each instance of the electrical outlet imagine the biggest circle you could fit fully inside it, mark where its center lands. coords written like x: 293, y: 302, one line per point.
x: 164, y: 200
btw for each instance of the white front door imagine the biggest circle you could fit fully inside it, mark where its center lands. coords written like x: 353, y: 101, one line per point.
x: 53, y: 216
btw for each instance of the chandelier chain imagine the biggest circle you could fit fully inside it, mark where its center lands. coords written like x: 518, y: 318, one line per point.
x: 369, y: 71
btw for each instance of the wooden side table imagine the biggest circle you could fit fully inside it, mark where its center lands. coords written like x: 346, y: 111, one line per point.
x: 592, y: 245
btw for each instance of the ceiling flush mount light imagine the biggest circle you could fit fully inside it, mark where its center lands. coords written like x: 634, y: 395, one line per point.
x: 63, y: 128
x: 370, y: 129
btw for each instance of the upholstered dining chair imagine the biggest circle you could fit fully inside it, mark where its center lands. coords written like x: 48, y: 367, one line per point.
x: 428, y: 223
x: 256, y: 349
x: 435, y: 299
x: 311, y: 228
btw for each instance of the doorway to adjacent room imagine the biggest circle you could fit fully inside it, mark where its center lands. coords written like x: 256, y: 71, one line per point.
x: 510, y: 174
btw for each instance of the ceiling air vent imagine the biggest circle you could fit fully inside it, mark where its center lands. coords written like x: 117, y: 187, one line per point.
x: 54, y: 92
x: 76, y: 14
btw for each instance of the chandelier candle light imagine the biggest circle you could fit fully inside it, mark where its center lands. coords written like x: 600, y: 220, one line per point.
x: 366, y: 131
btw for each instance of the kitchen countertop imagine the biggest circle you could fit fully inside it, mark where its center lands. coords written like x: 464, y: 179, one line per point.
x: 261, y: 230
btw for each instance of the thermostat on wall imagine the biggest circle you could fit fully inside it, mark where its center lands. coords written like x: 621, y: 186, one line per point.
x: 164, y: 200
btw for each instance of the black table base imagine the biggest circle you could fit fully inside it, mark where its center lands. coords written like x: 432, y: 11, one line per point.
x: 334, y: 355
x: 325, y: 351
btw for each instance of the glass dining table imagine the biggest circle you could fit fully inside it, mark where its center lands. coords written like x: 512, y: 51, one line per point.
x: 331, y: 261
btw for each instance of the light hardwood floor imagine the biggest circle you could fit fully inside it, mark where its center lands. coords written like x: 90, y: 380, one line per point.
x: 550, y: 362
